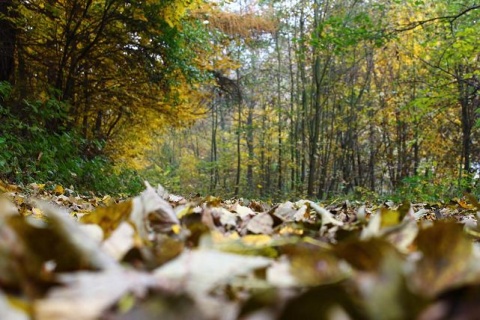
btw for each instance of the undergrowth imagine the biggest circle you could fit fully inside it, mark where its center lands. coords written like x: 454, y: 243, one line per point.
x: 29, y: 152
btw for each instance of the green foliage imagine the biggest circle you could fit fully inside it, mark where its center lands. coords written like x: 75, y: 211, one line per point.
x: 338, y: 33
x: 100, y: 176
x: 166, y: 176
x: 365, y: 194
x: 29, y: 152
x: 423, y: 188
x: 5, y: 90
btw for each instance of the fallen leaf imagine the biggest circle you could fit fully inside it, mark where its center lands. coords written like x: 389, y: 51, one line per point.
x: 160, y: 306
x: 120, y: 241
x: 446, y: 256
x: 327, y: 217
x: 279, y: 274
x: 77, y: 243
x: 256, y: 240
x: 109, y: 218
x: 203, y: 270
x: 364, y: 255
x: 142, y: 211
x: 86, y: 295
x: 261, y: 223
x: 302, y: 214
x: 389, y: 217
x: 11, y: 311
x: 403, y: 237
x: 59, y: 189
x: 324, y: 302
x: 227, y: 218
x: 242, y: 211
x: 456, y: 304
x: 385, y: 292
x: 373, y: 227
x: 285, y: 211
x: 312, y: 265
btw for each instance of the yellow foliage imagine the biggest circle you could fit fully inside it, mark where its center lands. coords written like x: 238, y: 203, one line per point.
x: 138, y: 136
x: 59, y: 189
x: 235, y: 24
x: 109, y: 218
x: 256, y: 240
x: 174, y: 12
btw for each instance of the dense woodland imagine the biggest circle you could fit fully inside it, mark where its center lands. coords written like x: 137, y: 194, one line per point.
x: 268, y: 99
x: 323, y: 157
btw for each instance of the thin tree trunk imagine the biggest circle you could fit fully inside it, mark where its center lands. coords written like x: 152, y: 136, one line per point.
x: 280, y: 113
x: 293, y: 134
x: 239, y: 153
x: 304, y: 103
x: 250, y: 146
x: 213, y: 150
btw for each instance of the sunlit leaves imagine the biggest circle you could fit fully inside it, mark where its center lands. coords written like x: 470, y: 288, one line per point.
x: 107, y: 67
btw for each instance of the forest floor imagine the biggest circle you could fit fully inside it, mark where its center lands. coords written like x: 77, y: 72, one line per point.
x: 161, y: 256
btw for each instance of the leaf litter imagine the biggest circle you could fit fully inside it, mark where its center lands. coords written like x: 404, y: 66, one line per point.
x: 158, y: 255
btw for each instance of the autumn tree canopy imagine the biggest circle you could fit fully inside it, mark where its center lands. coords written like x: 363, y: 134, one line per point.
x: 104, y: 61
x: 339, y: 97
x: 103, y: 73
x: 268, y: 98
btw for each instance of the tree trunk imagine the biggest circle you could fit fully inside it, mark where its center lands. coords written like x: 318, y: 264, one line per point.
x: 304, y: 102
x: 8, y: 34
x: 280, y: 113
x: 250, y: 147
x: 239, y: 153
x: 213, y: 150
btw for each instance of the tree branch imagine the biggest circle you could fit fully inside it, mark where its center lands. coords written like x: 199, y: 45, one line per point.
x: 450, y: 18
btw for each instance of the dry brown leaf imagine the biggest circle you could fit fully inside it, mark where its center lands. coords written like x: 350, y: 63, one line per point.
x: 312, y: 265
x: 141, y: 211
x: 72, y: 235
x: 446, y: 256
x: 203, y: 270
x: 261, y: 223
x: 285, y: 211
x: 86, y: 295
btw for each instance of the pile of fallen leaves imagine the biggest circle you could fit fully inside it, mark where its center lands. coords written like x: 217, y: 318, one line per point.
x: 161, y: 256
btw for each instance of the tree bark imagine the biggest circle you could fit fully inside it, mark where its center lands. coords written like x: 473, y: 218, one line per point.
x: 8, y: 34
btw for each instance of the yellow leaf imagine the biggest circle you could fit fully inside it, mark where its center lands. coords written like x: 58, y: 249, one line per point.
x: 218, y: 237
x: 176, y: 228
x: 5, y: 187
x: 126, y: 303
x: 389, y: 217
x: 463, y: 204
x: 37, y: 211
x: 109, y: 218
x: 256, y: 239
x: 169, y: 22
x: 108, y: 200
x: 59, y: 189
x: 288, y: 230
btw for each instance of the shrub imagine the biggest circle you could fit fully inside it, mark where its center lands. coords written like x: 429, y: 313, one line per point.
x: 31, y: 153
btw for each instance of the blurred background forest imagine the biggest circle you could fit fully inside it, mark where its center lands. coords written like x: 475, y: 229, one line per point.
x: 257, y: 99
